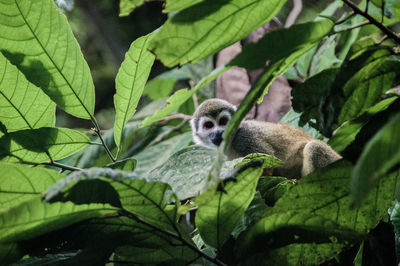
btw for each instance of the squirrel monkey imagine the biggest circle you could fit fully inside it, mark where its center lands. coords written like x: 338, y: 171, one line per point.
x: 300, y: 153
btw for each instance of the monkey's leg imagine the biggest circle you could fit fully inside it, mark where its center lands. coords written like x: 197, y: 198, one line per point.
x: 317, y: 154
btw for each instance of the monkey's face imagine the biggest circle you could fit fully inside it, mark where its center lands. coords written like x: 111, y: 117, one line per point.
x: 209, y: 129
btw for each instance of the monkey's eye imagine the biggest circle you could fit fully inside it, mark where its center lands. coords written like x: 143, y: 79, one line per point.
x: 223, y: 121
x: 208, y: 125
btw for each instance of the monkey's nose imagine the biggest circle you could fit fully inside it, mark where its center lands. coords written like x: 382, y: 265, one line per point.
x: 216, y: 138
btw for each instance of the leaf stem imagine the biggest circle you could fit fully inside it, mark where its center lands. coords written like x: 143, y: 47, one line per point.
x: 363, y: 23
x: 63, y: 166
x: 394, y: 36
x: 97, y: 130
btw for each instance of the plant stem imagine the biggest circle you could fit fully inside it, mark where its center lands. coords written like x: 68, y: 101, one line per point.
x: 98, y: 132
x: 363, y: 23
x: 394, y: 36
x: 63, y: 166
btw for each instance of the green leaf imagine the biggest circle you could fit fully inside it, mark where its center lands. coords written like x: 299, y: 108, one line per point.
x: 380, y: 154
x: 324, y: 57
x: 125, y: 164
x: 294, y: 119
x: 217, y: 218
x: 159, y: 88
x: 130, y: 82
x: 366, y: 87
x: 277, y: 229
x: 41, y: 145
x: 127, y: 6
x: 148, y: 201
x: 347, y: 133
x: 33, y: 218
x: 293, y: 43
x: 394, y: 213
x: 22, y: 104
x: 19, y: 183
x: 324, y: 193
x: 273, y: 188
x: 177, y: 5
x: 269, y: 161
x: 181, y: 96
x: 158, y: 155
x: 204, y: 29
x: 39, y: 41
x: 186, y: 171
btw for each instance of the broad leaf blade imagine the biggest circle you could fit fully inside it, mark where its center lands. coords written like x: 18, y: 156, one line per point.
x: 217, y: 218
x: 22, y: 104
x: 33, y: 218
x: 38, y: 40
x: 380, y: 154
x: 332, y: 203
x: 130, y: 82
x: 204, y: 29
x: 41, y: 145
x: 158, y: 154
x: 19, y: 183
x: 177, y: 5
x: 366, y: 87
x: 186, y: 171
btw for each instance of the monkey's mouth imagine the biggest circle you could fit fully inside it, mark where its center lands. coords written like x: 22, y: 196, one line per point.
x: 216, y: 138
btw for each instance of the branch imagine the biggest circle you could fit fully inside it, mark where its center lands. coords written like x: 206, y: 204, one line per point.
x: 294, y: 13
x: 97, y: 130
x: 394, y: 36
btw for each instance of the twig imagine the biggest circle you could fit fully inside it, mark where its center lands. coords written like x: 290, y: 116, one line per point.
x: 175, y: 116
x: 294, y: 13
x: 363, y: 23
x: 98, y: 132
x: 63, y: 166
x: 163, y: 136
x: 392, y: 35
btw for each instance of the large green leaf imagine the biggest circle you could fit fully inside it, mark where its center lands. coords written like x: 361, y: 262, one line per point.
x: 130, y: 82
x: 347, y: 133
x: 204, y: 29
x: 22, y: 104
x: 366, y: 87
x: 158, y: 155
x: 33, y: 218
x: 41, y: 145
x: 38, y: 40
x: 324, y: 193
x: 217, y: 218
x: 19, y: 183
x: 147, y: 201
x: 380, y: 154
x: 186, y: 171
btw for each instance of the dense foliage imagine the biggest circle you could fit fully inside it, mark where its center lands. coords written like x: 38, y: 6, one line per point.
x: 142, y: 194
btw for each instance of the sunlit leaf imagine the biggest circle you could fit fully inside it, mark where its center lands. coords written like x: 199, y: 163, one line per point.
x: 38, y: 40
x: 22, y: 104
x: 204, y: 29
x: 176, y: 5
x: 127, y: 6
x: 19, y: 183
x: 41, y: 145
x: 130, y: 82
x: 217, y: 218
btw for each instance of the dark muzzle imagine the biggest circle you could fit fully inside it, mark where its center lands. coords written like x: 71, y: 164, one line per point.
x: 216, y: 137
